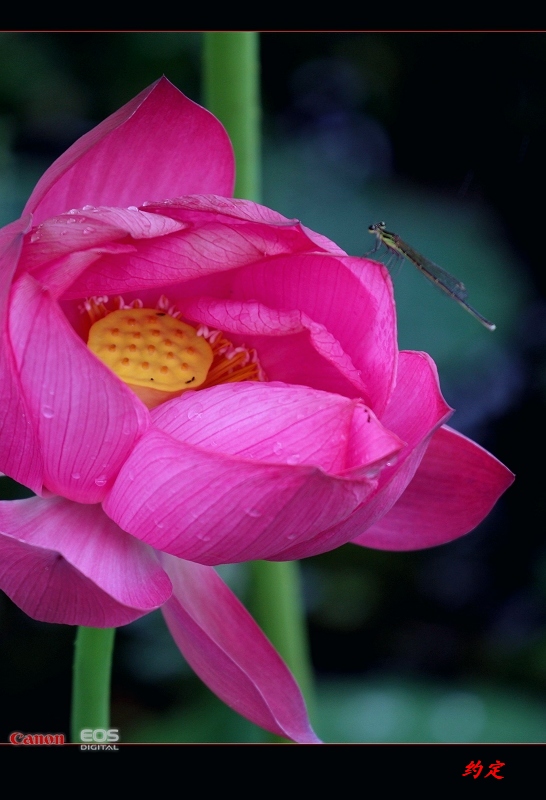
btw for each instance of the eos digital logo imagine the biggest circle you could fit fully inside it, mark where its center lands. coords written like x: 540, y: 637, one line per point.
x: 100, y: 738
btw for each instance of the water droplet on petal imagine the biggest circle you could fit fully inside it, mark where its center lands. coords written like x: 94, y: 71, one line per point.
x: 293, y: 459
x: 101, y: 480
x: 47, y: 412
x: 195, y: 411
x: 253, y: 512
x: 277, y: 448
x: 76, y: 476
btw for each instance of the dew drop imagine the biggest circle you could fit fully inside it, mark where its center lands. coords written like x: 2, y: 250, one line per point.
x: 195, y: 411
x: 253, y: 512
x: 47, y: 412
x: 76, y: 476
x: 132, y: 208
x: 101, y: 480
x: 87, y: 230
x: 277, y: 448
x: 293, y: 459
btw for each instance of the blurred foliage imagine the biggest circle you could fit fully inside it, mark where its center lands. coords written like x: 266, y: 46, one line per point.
x: 384, y: 709
x: 441, y: 136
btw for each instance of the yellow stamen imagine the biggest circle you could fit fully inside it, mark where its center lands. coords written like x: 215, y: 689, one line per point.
x: 123, y: 341
x: 231, y: 364
x: 158, y: 356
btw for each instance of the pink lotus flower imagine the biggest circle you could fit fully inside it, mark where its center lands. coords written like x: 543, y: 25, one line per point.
x: 197, y: 380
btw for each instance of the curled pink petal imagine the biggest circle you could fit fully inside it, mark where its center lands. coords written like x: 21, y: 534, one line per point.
x: 87, y: 232
x: 20, y: 455
x: 292, y: 347
x: 199, y: 208
x: 59, y: 274
x: 206, y: 244
x: 309, y: 291
x: 228, y: 651
x: 158, y: 145
x: 214, y: 508
x: 416, y: 411
x: 84, y: 229
x: 66, y: 562
x: 313, y: 428
x: 456, y: 485
x: 351, y: 298
x: 84, y: 435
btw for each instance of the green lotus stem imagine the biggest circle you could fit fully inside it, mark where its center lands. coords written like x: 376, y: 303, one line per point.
x: 91, y: 680
x: 278, y: 608
x: 232, y: 93
x: 231, y: 78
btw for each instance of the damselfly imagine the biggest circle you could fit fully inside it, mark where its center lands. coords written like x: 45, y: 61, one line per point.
x: 438, y: 276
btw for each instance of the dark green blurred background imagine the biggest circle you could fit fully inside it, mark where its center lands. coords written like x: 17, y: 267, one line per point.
x: 442, y: 136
